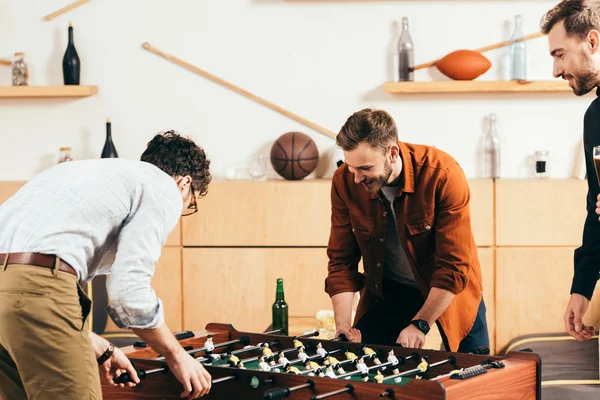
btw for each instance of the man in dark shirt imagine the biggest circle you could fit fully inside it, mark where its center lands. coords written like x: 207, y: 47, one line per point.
x: 573, y: 29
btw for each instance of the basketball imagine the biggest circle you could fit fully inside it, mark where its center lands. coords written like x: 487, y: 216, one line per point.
x: 294, y: 155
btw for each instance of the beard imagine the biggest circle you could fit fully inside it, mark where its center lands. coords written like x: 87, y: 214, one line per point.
x: 373, y: 185
x: 583, y: 83
x: 585, y: 79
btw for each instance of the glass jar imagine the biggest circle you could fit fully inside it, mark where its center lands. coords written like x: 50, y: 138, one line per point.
x: 65, y: 155
x: 20, y: 71
x: 541, y: 164
x: 258, y: 168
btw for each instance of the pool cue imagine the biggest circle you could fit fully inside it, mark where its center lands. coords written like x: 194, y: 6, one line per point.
x: 486, y: 48
x: 5, y: 62
x: 237, y: 89
x: 65, y: 9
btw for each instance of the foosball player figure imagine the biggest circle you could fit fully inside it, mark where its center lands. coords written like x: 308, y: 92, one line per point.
x: 317, y: 368
x: 423, y: 365
x: 298, y: 344
x: 329, y: 373
x: 240, y: 365
x: 292, y: 370
x: 233, y: 360
x: 268, y: 354
x: 283, y: 360
x: 208, y: 345
x: 335, y: 364
x: 371, y: 354
x: 262, y: 365
x: 321, y: 351
x: 378, y: 376
x: 394, y: 360
x: 351, y: 356
x: 363, y: 369
x: 302, y: 355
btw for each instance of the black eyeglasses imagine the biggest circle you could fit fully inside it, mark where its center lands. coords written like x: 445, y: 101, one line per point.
x: 193, y: 207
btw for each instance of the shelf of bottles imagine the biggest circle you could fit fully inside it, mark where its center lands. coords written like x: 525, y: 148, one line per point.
x: 47, y: 91
x: 476, y: 87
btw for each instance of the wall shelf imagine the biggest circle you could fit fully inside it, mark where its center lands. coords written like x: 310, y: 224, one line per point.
x: 47, y: 91
x: 476, y: 87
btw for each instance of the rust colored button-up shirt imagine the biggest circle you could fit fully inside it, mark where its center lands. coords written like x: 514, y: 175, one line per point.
x: 434, y: 224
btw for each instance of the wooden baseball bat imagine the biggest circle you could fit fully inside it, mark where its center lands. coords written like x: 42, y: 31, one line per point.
x: 5, y: 62
x: 65, y: 9
x: 486, y: 48
x: 243, y: 92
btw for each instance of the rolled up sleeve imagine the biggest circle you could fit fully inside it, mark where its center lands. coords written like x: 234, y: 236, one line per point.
x: 455, y: 246
x: 342, y: 250
x: 133, y: 302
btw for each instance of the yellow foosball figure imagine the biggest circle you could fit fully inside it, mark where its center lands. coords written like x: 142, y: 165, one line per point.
x: 293, y: 370
x: 378, y: 376
x: 268, y: 354
x: 371, y: 354
x: 335, y: 364
x: 423, y: 365
x: 316, y: 367
x: 351, y: 356
x: 233, y: 360
x: 298, y: 344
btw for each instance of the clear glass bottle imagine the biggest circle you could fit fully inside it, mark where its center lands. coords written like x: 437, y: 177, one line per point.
x: 20, y: 71
x: 541, y: 164
x: 518, y: 52
x: 65, y: 155
x: 406, y: 63
x: 492, y: 150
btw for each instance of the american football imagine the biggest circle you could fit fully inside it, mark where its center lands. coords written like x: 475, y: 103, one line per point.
x: 463, y: 65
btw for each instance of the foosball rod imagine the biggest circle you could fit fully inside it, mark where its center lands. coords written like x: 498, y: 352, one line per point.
x: 284, y: 391
x: 348, y: 389
x: 417, y: 370
x: 242, y: 340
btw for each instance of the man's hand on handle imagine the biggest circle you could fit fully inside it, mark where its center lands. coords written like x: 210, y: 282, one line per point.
x: 191, y: 374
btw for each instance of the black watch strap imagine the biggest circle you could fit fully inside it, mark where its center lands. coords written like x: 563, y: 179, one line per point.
x: 107, y: 354
x: 421, y: 325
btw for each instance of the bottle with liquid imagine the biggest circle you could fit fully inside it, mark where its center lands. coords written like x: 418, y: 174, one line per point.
x: 65, y: 155
x: 20, y: 71
x: 109, y: 150
x: 518, y: 52
x: 280, y: 309
x: 406, y: 64
x: 71, y: 64
x: 492, y: 150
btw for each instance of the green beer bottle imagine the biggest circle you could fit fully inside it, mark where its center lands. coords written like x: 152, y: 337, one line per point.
x: 280, y: 309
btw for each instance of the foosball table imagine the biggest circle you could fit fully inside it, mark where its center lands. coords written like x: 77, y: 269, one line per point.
x: 269, y: 366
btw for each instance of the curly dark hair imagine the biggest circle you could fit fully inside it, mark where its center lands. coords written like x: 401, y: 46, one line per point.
x: 580, y: 16
x: 179, y: 156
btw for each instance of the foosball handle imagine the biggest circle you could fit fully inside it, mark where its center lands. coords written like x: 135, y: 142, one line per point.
x: 341, y: 338
x: 276, y: 393
x: 125, y: 378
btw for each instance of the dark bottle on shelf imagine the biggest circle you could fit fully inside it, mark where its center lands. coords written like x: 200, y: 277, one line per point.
x: 109, y: 150
x: 280, y: 309
x: 71, y: 63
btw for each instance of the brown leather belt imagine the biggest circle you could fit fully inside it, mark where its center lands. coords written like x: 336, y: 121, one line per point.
x: 37, y: 259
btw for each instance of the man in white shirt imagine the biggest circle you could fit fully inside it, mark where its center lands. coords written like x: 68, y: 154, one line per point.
x: 71, y: 222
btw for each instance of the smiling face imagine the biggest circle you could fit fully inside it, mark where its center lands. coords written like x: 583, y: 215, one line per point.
x: 372, y: 167
x: 575, y: 58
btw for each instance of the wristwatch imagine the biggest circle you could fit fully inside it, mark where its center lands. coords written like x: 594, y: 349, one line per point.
x: 107, y: 354
x: 421, y: 325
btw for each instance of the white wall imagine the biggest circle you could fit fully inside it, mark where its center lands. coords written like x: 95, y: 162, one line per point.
x: 322, y: 60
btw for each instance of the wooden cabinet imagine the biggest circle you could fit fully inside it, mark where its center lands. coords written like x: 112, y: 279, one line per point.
x: 272, y: 213
x: 482, y: 211
x: 532, y: 292
x: 237, y: 285
x: 543, y: 212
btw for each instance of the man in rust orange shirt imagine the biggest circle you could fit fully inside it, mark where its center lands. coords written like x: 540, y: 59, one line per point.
x: 403, y: 209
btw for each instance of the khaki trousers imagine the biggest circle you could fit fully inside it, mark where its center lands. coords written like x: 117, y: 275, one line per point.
x: 45, y: 351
